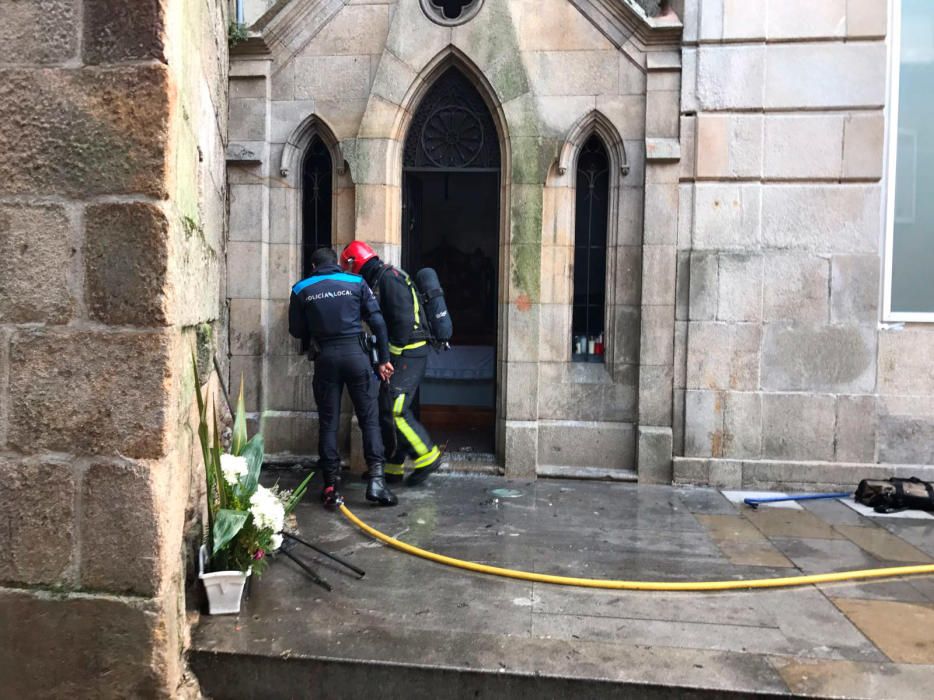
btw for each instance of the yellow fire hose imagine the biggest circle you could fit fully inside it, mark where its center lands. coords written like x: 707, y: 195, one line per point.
x: 638, y: 585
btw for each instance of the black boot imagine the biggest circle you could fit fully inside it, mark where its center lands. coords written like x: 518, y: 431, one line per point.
x: 376, y: 489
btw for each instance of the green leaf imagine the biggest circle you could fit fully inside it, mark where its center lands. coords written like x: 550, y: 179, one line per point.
x: 239, y: 440
x: 203, y: 440
x: 253, y: 452
x: 298, y: 493
x: 216, y: 459
x: 226, y: 526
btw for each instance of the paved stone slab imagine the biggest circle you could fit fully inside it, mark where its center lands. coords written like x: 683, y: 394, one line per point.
x: 887, y: 624
x: 851, y: 679
x: 784, y: 523
x: 883, y: 545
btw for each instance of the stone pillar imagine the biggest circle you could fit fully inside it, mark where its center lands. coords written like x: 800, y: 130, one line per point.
x: 659, y: 258
x: 112, y: 222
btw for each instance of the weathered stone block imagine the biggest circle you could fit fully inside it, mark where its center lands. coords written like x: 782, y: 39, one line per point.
x: 857, y: 423
x: 101, y: 647
x: 654, y: 455
x: 244, y: 270
x: 574, y: 72
x: 68, y: 394
x: 586, y: 444
x: 43, y: 31
x: 866, y: 18
x: 35, y: 255
x: 729, y: 146
x: 906, y: 439
x: 739, y: 285
x: 786, y: 19
x: 854, y: 289
x: 689, y: 79
x: 658, y: 275
x: 662, y: 113
x: 821, y: 218
x: 742, y: 424
x: 703, y: 423
x: 819, y: 358
x: 655, y: 394
x: 315, y: 78
x: 657, y: 338
x: 89, y: 146
x: 803, y: 146
x: 798, y: 426
x: 905, y: 365
x: 289, y: 383
x: 356, y: 29
x: 723, y: 356
x: 704, y: 286
x: 285, y: 116
x: 115, y: 30
x: 627, y: 331
x: 727, y: 216
x: 864, y: 146
x: 795, y: 288
x: 625, y: 112
x: 521, y: 379
x: 730, y: 77
x: 120, y: 543
x: 249, y: 86
x: 825, y: 75
x: 247, y: 212
x: 246, y: 327
x: 521, y: 448
x: 125, y: 264
x: 691, y: 470
x: 661, y: 214
x: 628, y: 275
x: 247, y: 120
x: 725, y: 474
x: 37, y: 505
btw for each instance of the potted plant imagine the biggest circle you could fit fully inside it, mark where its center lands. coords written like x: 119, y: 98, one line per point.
x: 245, y: 519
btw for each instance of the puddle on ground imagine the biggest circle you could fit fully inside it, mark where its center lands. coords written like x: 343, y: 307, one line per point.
x: 506, y: 493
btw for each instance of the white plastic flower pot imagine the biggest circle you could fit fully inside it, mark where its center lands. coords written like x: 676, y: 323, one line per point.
x: 224, y: 588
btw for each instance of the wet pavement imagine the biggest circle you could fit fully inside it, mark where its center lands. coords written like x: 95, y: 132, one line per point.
x: 412, y: 628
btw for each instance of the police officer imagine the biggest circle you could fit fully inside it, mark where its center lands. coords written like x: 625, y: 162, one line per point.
x: 327, y: 310
x: 403, y: 435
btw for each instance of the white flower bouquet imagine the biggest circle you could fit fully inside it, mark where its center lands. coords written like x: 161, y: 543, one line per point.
x: 245, y: 519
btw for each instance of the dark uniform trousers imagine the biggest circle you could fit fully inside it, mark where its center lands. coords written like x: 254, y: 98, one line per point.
x: 403, y: 435
x: 343, y: 362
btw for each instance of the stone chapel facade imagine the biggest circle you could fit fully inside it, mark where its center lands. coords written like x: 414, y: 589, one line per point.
x: 740, y: 162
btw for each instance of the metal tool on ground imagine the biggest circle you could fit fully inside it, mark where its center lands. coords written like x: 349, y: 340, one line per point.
x: 360, y: 572
x: 312, y: 574
x: 756, y: 502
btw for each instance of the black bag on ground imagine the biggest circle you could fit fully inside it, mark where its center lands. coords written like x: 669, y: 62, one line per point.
x: 436, y: 309
x: 889, y: 495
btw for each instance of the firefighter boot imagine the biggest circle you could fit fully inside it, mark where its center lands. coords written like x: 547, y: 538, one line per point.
x: 376, y: 489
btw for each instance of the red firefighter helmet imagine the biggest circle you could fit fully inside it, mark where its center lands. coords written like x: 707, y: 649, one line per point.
x: 355, y: 256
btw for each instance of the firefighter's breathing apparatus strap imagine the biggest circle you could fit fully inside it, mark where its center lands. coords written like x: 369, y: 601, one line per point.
x: 638, y: 585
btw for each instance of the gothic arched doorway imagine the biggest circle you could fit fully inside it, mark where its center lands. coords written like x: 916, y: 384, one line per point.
x: 450, y: 221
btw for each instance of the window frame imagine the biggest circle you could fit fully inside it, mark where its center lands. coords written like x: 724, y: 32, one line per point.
x: 891, y: 151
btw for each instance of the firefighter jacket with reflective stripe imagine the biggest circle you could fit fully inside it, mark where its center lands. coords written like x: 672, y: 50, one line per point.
x: 399, y: 302
x: 332, y: 305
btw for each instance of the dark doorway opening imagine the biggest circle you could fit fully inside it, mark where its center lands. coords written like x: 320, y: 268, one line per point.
x: 451, y: 184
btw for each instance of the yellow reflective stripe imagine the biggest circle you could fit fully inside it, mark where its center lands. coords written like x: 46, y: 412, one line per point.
x: 414, y: 440
x: 396, y: 350
x: 397, y: 406
x: 428, y: 458
x: 414, y: 303
x: 397, y: 469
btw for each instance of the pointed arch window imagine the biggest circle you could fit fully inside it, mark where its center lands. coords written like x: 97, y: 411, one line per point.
x: 590, y: 251
x: 317, y: 205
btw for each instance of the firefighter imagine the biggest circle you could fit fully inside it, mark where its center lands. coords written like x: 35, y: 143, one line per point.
x: 398, y: 299
x: 327, y: 310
